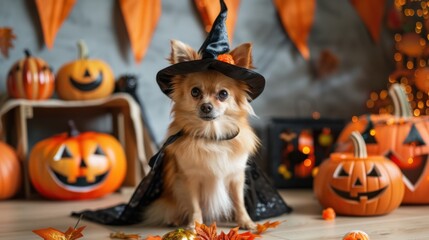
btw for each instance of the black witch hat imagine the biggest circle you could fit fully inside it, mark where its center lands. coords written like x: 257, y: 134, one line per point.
x: 215, y: 44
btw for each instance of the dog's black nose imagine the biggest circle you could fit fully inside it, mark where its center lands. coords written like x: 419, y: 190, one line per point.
x: 206, y: 107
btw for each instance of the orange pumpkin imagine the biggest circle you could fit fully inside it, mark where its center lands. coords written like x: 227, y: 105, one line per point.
x: 358, y: 184
x: 356, y: 235
x: 10, y: 172
x: 30, y: 78
x: 84, y: 78
x: 76, y: 165
x: 402, y: 138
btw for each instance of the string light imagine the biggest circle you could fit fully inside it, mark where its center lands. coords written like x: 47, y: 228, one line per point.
x: 410, y: 55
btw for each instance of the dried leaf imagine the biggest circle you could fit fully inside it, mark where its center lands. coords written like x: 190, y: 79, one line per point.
x: 122, y: 235
x: 206, y: 232
x: 6, y: 38
x: 54, y: 234
x: 248, y: 236
x: 153, y: 237
x: 261, y: 228
x: 232, y: 235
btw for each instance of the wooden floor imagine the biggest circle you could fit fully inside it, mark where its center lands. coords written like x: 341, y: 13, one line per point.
x: 19, y: 217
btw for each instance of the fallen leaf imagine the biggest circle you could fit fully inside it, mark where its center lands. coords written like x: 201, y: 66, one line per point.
x: 54, y: 234
x: 261, y: 228
x: 122, y: 235
x: 153, y: 237
x: 206, y: 232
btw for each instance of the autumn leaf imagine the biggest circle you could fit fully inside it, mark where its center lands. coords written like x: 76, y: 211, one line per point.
x: 122, y: 235
x: 232, y: 235
x: 54, y: 234
x: 153, y: 237
x: 248, y: 236
x: 6, y: 38
x: 261, y: 228
x: 206, y: 232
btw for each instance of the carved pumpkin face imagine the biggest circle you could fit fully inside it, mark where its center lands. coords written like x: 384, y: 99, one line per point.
x: 84, y: 79
x: 30, y: 78
x: 88, y: 165
x: 361, y: 186
x: 402, y: 139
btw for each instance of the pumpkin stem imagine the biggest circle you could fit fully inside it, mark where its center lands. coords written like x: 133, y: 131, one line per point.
x: 400, y: 101
x: 27, y: 52
x: 359, y: 145
x: 73, y: 132
x: 83, y: 50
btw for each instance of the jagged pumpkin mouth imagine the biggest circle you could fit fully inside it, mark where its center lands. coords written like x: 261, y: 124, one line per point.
x: 80, y: 181
x: 360, y: 196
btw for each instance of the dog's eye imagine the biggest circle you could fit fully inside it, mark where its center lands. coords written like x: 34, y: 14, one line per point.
x: 222, y: 95
x: 195, y: 92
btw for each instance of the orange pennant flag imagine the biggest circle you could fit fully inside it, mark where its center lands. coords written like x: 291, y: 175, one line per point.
x: 371, y: 13
x: 141, y: 18
x: 52, y: 14
x: 297, y: 19
x: 209, y: 10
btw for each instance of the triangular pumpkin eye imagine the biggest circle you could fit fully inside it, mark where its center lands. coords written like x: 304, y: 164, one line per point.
x: 64, y: 152
x: 99, y: 151
x: 341, y: 172
x: 373, y: 173
x: 414, y: 137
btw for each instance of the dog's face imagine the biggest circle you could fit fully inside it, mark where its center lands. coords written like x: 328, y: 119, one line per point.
x: 209, y: 103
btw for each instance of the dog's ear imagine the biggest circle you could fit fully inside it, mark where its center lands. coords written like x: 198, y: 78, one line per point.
x: 242, y: 55
x: 181, y: 52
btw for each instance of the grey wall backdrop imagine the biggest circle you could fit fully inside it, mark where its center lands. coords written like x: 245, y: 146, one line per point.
x: 291, y: 90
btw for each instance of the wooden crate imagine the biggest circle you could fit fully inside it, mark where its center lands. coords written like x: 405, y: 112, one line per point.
x: 25, y: 122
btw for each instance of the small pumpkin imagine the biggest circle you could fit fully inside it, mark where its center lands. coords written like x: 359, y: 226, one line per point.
x: 358, y: 184
x: 74, y: 165
x: 10, y: 172
x: 30, y: 78
x: 356, y: 235
x: 84, y: 78
x: 400, y: 137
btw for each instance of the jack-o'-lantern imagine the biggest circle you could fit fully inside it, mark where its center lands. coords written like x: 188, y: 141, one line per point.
x: 75, y: 165
x: 358, y: 184
x: 30, y: 78
x: 402, y: 138
x: 84, y: 78
x: 10, y: 172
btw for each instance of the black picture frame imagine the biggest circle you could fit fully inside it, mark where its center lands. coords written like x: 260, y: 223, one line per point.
x: 290, y: 164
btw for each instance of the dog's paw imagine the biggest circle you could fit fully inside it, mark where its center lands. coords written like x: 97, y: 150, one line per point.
x: 247, y: 225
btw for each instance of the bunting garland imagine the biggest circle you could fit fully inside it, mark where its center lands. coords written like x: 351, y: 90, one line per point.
x: 297, y: 19
x: 209, y: 9
x: 371, y: 13
x: 52, y: 14
x: 141, y: 18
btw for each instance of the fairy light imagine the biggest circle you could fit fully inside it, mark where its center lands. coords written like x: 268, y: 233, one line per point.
x: 414, y: 15
x: 307, y: 162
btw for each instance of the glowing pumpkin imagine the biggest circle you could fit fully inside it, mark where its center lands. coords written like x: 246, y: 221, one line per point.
x: 84, y: 78
x: 76, y: 165
x: 402, y: 138
x: 30, y: 78
x: 10, y: 172
x: 358, y: 184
